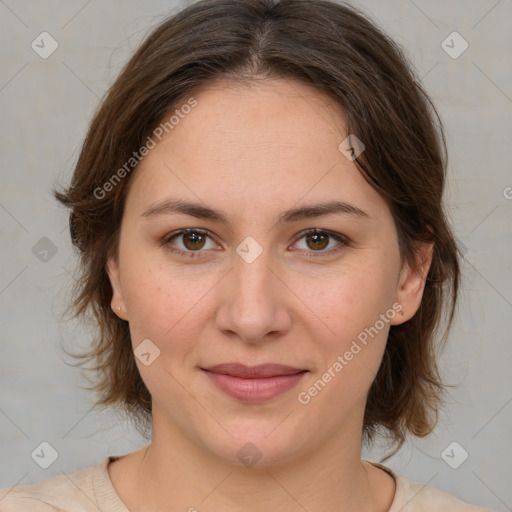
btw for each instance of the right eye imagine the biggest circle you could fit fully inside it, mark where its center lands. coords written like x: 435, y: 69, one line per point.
x: 192, y: 241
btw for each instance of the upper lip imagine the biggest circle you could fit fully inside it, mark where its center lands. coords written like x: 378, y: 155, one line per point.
x: 253, y: 372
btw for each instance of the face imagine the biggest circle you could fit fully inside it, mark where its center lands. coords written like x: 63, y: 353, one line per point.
x: 263, y: 274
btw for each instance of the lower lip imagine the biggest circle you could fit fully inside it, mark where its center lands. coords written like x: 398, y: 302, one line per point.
x: 254, y: 390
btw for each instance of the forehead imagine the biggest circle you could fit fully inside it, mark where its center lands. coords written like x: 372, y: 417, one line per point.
x: 260, y: 144
x: 277, y: 113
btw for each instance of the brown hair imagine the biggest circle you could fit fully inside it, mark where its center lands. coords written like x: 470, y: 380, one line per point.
x: 338, y: 50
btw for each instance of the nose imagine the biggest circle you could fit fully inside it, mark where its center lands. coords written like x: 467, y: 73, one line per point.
x: 254, y: 302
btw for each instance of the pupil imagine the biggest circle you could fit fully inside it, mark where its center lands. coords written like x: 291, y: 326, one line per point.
x: 319, y: 240
x: 194, y: 239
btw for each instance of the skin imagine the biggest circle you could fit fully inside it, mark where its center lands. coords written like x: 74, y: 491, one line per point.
x: 254, y: 151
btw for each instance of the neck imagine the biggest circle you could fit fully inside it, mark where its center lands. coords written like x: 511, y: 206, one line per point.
x: 330, y: 477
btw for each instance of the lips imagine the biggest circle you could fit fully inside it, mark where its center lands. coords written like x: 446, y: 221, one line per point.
x: 254, y: 384
x: 262, y: 371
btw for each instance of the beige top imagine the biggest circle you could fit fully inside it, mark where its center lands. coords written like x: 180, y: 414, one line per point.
x: 90, y: 490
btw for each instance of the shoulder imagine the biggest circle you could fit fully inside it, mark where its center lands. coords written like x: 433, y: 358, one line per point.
x: 422, y: 498
x: 416, y: 497
x: 58, y: 493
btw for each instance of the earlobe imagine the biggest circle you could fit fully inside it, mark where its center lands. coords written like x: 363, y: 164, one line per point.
x: 412, y: 283
x: 117, y: 303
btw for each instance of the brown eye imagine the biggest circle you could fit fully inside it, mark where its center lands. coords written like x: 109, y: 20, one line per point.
x: 318, y: 241
x: 193, y: 240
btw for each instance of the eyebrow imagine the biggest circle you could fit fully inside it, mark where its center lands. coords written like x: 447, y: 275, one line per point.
x: 200, y: 211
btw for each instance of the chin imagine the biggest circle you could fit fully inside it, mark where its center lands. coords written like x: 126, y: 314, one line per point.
x: 254, y: 446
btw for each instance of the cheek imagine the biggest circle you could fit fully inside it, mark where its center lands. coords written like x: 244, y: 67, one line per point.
x: 358, y: 310
x: 167, y: 308
x: 351, y: 299
x: 357, y: 307
x: 164, y: 302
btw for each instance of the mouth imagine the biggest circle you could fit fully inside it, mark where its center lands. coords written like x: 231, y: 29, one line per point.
x: 261, y: 371
x: 254, y: 384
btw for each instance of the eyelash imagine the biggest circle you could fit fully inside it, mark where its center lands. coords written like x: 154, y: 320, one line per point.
x: 343, y: 241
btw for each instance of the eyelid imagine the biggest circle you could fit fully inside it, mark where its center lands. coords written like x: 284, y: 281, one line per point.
x: 170, y: 236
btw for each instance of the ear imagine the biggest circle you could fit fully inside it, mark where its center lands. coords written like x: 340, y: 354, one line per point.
x: 412, y: 283
x: 117, y: 303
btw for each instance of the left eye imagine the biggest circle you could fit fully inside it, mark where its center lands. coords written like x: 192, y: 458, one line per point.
x: 318, y: 240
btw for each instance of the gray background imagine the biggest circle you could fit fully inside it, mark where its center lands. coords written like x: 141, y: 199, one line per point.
x: 46, y: 105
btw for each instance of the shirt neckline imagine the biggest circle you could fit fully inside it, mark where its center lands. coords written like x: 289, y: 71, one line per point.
x: 108, y: 499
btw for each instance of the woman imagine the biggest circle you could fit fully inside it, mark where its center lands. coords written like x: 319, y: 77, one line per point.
x: 258, y: 212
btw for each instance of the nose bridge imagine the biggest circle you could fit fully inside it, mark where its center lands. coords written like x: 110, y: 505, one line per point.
x: 252, y: 276
x: 252, y: 303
